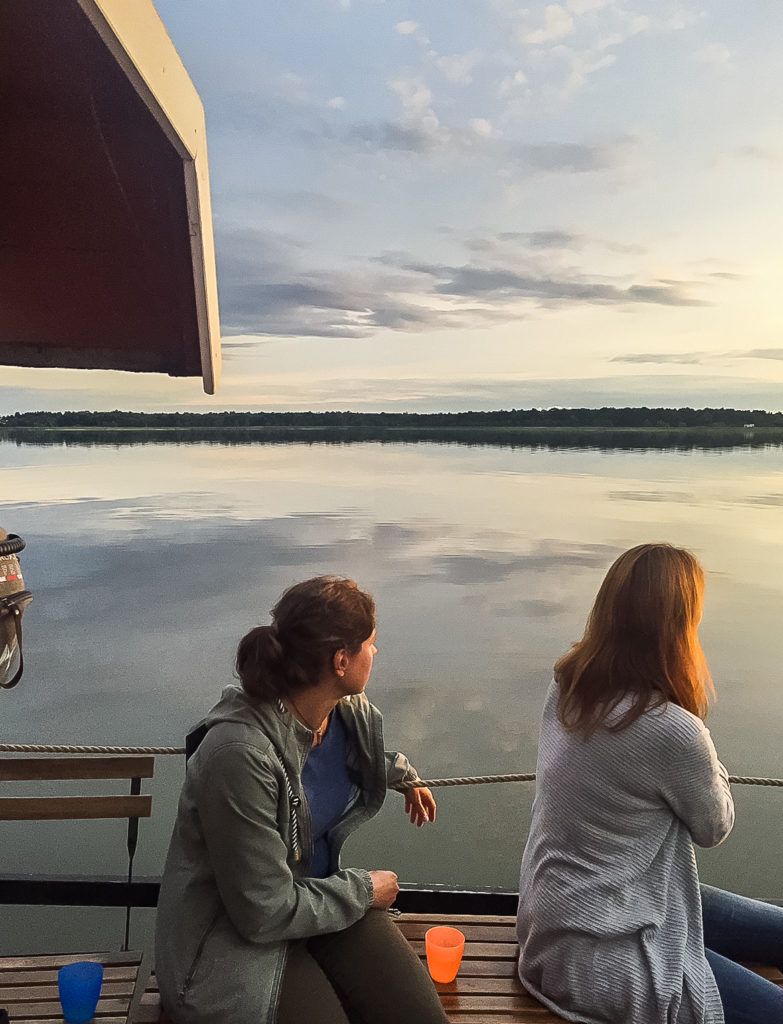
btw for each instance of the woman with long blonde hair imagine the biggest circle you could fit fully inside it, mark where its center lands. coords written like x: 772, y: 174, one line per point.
x: 613, y: 925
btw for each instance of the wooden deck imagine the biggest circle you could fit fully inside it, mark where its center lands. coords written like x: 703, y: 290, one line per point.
x: 486, y: 991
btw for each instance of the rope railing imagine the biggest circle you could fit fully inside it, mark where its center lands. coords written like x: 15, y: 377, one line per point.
x: 63, y: 748
x: 464, y: 780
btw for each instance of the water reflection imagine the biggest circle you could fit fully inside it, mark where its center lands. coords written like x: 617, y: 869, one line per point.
x: 149, y: 563
x: 542, y: 438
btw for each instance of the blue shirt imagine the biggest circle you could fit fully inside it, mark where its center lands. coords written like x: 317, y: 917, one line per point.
x: 328, y: 789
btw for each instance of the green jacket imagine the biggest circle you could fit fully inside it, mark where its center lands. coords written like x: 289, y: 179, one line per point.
x: 235, y: 889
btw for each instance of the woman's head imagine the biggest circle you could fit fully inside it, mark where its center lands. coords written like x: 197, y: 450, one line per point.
x: 323, y: 628
x: 641, y: 640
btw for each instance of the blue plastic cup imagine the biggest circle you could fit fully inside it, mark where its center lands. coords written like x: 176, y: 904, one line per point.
x: 80, y: 989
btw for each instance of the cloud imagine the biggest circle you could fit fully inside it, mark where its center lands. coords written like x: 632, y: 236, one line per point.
x: 580, y: 7
x: 479, y: 568
x: 503, y: 284
x: 683, y: 358
x: 421, y: 132
x: 681, y: 19
x: 480, y: 127
x: 407, y: 28
x: 558, y: 239
x: 762, y: 353
x: 512, y: 83
x: 336, y: 103
x: 557, y: 23
x: 678, y: 497
x: 715, y: 55
x: 458, y: 67
x: 268, y: 288
x: 582, y: 64
x: 575, y: 157
x: 764, y: 153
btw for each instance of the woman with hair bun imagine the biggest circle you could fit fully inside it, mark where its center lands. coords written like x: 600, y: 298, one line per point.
x: 613, y: 926
x: 257, y: 922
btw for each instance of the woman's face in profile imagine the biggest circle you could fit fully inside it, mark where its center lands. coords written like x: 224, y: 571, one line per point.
x: 357, y: 672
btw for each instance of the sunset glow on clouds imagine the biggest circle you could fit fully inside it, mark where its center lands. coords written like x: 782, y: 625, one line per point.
x: 481, y: 205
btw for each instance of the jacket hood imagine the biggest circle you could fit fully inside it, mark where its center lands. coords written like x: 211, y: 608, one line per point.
x: 237, y: 707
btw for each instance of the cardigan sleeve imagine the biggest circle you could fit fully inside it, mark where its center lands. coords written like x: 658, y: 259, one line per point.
x: 696, y: 787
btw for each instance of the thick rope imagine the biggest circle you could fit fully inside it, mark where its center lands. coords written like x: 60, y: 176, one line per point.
x: 482, y: 780
x: 54, y: 748
x: 477, y: 780
x: 465, y: 780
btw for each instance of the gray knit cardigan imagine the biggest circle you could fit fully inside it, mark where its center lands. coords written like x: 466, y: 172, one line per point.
x: 609, y: 921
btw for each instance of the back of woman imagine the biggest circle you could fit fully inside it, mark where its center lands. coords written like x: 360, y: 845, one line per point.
x: 613, y: 925
x: 600, y: 935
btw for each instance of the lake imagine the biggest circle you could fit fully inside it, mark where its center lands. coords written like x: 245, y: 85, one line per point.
x: 148, y: 562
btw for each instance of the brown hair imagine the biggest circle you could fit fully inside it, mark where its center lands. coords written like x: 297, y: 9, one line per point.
x: 310, y: 622
x: 641, y: 640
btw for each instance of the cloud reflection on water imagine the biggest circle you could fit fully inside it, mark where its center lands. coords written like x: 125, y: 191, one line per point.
x: 484, y: 563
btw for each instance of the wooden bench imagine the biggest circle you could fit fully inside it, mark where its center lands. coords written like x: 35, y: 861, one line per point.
x: 94, y: 768
x: 28, y: 987
x: 486, y: 991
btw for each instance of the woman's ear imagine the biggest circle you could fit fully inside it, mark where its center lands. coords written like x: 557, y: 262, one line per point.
x: 340, y: 662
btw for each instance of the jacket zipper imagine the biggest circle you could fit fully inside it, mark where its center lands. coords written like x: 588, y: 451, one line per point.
x: 197, y: 957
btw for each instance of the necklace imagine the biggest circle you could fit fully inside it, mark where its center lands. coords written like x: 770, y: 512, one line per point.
x: 318, y: 734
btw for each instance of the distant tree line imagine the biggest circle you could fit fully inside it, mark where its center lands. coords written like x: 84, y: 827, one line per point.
x: 607, y: 417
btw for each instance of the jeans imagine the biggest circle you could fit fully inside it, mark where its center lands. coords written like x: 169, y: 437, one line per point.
x: 366, y: 974
x: 737, y: 928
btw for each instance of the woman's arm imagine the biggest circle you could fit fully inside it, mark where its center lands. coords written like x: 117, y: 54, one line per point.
x: 420, y: 804
x: 696, y: 787
x: 237, y: 806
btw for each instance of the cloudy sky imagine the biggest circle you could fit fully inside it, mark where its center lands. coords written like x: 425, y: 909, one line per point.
x: 430, y: 204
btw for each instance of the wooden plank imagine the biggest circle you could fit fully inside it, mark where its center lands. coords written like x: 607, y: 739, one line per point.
x: 38, y: 993
x: 57, y: 960
x: 537, y: 1016
x: 510, y: 986
x: 142, y: 977
x: 58, y: 1020
x: 29, y: 769
x: 770, y: 973
x: 62, y: 808
x: 479, y: 950
x: 106, y: 1008
x: 458, y: 920
x: 49, y: 977
x: 500, y: 1004
x: 488, y: 968
x: 472, y: 932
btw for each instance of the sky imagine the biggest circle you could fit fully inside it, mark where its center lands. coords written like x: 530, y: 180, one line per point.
x: 481, y: 204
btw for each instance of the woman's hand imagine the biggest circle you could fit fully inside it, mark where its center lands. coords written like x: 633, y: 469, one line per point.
x: 420, y: 806
x: 384, y: 888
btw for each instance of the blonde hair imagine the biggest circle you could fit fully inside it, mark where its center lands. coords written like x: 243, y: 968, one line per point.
x: 641, y: 640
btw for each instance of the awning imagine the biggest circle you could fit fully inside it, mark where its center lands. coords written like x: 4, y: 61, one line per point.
x: 106, y: 248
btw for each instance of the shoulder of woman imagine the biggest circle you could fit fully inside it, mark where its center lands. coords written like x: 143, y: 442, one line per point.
x: 238, y: 742
x: 672, y: 726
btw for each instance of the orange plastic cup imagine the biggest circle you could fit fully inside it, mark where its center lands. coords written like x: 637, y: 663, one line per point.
x: 444, y: 947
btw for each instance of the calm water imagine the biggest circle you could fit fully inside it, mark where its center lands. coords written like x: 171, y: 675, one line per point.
x: 149, y: 562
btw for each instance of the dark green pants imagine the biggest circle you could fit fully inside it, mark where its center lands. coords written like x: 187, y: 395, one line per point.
x: 367, y: 974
